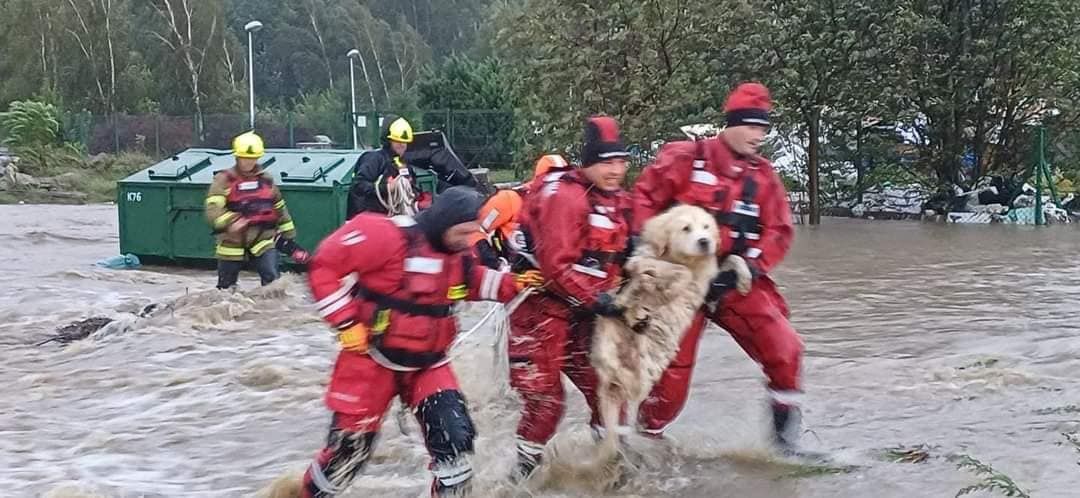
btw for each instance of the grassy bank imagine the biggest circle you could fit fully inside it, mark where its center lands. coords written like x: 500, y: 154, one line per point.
x: 502, y: 176
x: 68, y: 178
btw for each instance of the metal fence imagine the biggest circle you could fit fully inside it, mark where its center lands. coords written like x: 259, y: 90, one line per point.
x: 480, y: 138
x: 161, y: 135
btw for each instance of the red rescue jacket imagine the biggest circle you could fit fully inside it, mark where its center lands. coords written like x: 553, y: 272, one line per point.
x: 253, y: 198
x: 382, y: 272
x: 745, y: 195
x: 576, y: 235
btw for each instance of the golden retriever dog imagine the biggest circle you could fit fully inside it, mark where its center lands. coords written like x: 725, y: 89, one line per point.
x: 668, y: 277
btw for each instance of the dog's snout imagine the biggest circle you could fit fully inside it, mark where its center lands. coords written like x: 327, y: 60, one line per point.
x: 703, y: 243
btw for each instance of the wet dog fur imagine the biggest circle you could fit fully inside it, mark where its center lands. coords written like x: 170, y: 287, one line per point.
x: 668, y: 277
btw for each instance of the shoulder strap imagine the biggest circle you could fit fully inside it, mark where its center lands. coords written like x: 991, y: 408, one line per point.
x: 749, y: 190
x: 572, y: 178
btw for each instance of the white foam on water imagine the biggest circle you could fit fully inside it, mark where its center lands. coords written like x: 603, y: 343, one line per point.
x: 217, y: 394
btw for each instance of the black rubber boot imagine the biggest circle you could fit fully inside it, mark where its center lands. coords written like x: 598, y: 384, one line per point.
x: 787, y: 424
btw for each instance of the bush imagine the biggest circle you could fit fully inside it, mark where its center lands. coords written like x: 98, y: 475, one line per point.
x: 32, y: 129
x: 29, y: 124
x: 324, y: 113
x: 48, y: 160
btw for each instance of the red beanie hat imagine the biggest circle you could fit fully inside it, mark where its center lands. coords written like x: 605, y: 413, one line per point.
x: 748, y: 105
x: 602, y: 141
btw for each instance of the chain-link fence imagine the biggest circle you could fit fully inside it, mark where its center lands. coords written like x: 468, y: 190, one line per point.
x: 482, y: 139
x: 160, y: 135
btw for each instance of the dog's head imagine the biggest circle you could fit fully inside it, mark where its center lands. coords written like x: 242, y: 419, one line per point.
x: 683, y: 234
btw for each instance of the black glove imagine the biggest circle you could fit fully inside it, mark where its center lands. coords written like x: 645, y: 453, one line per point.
x: 605, y: 306
x: 287, y: 246
x: 723, y: 282
x: 487, y: 255
x: 290, y: 248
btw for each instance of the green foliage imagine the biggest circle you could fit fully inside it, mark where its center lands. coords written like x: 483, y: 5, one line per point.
x: 125, y: 56
x: 982, y: 73
x: 651, y: 64
x: 324, y: 113
x: 463, y: 83
x: 448, y: 26
x: 30, y: 124
x: 471, y: 100
x: 991, y: 479
x: 794, y: 470
x: 98, y: 177
x: 75, y: 178
x: 908, y: 454
x: 31, y: 129
x: 967, y: 77
x: 47, y: 160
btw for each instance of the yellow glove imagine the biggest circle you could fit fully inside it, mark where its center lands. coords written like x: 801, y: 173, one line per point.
x: 354, y: 338
x: 531, y: 278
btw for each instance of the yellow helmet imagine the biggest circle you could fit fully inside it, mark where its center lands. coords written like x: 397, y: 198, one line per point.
x: 247, y: 145
x: 398, y: 130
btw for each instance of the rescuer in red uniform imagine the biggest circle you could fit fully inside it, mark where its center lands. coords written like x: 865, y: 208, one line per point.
x: 726, y: 176
x: 387, y: 285
x: 575, y: 231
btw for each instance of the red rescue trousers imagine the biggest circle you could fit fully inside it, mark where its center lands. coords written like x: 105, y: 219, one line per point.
x: 360, y: 393
x: 546, y: 340
x: 759, y: 324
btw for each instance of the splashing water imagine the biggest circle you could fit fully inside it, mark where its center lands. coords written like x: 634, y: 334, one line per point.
x: 961, y: 338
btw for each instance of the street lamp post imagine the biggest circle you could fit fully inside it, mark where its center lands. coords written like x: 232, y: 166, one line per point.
x: 251, y: 28
x: 352, y: 55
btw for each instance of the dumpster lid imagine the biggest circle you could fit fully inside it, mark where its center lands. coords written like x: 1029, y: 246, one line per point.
x: 310, y: 168
x: 289, y: 166
x: 178, y: 167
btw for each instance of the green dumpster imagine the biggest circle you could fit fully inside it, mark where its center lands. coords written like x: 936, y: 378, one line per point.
x: 426, y: 180
x: 161, y: 207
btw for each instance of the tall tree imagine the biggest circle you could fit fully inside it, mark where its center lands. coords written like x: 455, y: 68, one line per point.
x: 448, y: 26
x: 822, y: 60
x: 92, y: 24
x: 29, y: 63
x: 979, y: 72
x: 315, y: 10
x: 411, y: 53
x: 190, y: 29
x: 652, y: 64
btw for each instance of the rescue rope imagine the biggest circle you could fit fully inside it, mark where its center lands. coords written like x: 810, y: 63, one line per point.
x: 508, y: 309
x: 400, y: 198
x: 402, y: 412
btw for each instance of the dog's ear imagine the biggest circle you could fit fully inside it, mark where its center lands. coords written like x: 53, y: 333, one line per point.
x: 654, y: 235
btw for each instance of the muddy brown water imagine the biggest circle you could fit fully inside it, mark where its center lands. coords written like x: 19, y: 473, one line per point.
x: 961, y: 338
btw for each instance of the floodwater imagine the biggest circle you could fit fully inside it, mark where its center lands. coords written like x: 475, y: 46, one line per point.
x: 960, y: 338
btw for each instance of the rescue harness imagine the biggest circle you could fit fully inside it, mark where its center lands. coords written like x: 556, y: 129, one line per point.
x: 380, y: 320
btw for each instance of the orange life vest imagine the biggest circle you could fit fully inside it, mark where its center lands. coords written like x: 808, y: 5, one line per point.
x: 253, y: 198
